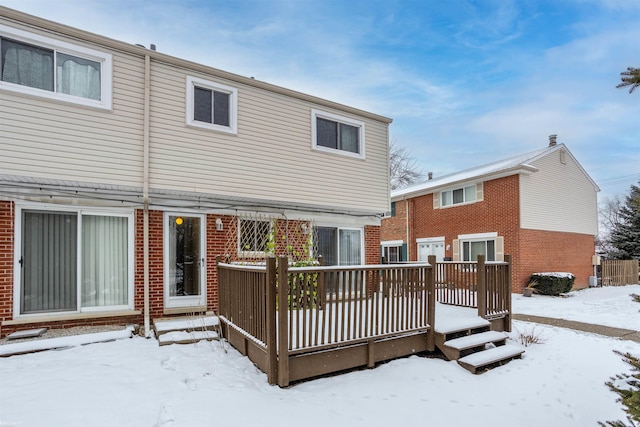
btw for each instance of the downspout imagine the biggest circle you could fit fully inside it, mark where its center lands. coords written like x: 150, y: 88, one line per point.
x: 406, y: 212
x: 145, y: 193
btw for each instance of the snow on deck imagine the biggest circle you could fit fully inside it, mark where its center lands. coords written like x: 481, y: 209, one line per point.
x: 451, y: 318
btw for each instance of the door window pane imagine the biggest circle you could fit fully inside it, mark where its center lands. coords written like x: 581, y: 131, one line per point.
x: 327, y: 245
x: 49, y: 262
x: 105, y: 270
x: 184, y: 256
x: 350, y: 247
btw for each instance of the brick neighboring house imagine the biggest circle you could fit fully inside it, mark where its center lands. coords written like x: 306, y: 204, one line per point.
x: 124, y: 172
x: 539, y: 207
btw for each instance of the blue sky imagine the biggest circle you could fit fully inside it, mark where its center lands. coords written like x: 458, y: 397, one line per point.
x: 467, y: 82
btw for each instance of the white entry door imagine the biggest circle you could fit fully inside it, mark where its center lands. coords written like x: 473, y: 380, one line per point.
x: 184, y: 260
x: 431, y: 248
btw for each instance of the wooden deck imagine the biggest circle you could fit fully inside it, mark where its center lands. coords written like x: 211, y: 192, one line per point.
x: 340, y: 318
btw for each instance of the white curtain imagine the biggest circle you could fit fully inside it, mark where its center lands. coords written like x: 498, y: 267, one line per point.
x: 104, y: 261
x: 349, y: 138
x: 350, y: 247
x: 27, y: 65
x: 77, y: 76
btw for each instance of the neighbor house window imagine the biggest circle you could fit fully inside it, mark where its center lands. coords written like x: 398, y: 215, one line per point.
x: 253, y: 236
x: 393, y: 208
x: 45, y: 67
x: 393, y: 251
x: 339, y: 246
x: 337, y: 134
x: 72, y: 260
x: 211, y: 105
x: 471, y: 250
x: 459, y: 195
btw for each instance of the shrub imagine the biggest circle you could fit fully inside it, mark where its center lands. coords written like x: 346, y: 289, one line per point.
x: 628, y: 389
x: 552, y: 283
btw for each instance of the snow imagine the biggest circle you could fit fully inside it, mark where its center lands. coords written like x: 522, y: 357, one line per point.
x: 136, y: 382
x: 555, y: 274
x: 201, y: 322
x: 609, y: 306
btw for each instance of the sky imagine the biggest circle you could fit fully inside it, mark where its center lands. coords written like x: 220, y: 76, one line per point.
x: 466, y: 82
x: 559, y: 382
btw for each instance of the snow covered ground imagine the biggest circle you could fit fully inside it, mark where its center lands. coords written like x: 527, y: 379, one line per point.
x: 134, y: 382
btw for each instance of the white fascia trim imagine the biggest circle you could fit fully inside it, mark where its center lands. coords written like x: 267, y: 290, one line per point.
x: 192, y: 82
x: 392, y: 243
x: 477, y: 236
x: 105, y: 60
x: 430, y: 239
x: 340, y: 119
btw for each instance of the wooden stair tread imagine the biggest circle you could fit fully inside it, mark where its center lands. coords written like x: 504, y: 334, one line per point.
x: 492, y: 355
x: 475, y: 340
x: 183, y: 337
x: 456, y: 325
x: 199, y: 323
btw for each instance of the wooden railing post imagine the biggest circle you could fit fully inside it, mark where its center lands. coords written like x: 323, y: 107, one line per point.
x: 271, y: 333
x: 481, y: 286
x: 431, y: 301
x: 507, y: 291
x: 283, y: 329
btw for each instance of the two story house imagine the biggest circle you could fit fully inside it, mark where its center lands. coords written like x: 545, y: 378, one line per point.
x: 125, y: 172
x: 540, y: 207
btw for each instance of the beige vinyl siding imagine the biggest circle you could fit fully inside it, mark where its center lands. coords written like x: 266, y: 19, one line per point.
x: 559, y: 197
x: 269, y: 158
x: 52, y: 139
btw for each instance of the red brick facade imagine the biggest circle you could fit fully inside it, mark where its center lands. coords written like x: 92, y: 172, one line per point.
x: 531, y: 250
x: 216, y: 245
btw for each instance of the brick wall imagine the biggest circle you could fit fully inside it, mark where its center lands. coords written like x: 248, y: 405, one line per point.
x: 6, y: 260
x: 498, y: 212
x: 394, y: 227
x: 371, y: 244
x: 548, y: 251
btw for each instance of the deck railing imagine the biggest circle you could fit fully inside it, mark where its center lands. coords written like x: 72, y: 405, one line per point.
x: 336, y: 318
x: 482, y: 285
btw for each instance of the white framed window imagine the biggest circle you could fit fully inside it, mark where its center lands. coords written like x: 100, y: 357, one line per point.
x: 211, y: 105
x: 339, y: 246
x: 458, y: 196
x: 253, y: 237
x: 337, y: 134
x: 41, y: 66
x: 392, y: 251
x: 73, y: 260
x: 468, y: 247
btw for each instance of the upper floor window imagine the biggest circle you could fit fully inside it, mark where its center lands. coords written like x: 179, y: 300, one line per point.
x: 337, y: 134
x: 211, y: 105
x: 45, y: 67
x: 393, y: 208
x: 459, y: 195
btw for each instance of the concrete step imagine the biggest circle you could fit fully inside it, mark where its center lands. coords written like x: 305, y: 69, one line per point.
x: 186, y: 330
x: 490, y: 357
x: 183, y: 337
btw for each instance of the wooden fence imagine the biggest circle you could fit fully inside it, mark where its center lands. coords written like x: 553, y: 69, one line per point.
x: 482, y: 285
x: 337, y: 318
x: 619, y: 272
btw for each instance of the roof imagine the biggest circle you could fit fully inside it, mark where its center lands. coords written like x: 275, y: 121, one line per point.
x: 133, y: 49
x: 520, y: 164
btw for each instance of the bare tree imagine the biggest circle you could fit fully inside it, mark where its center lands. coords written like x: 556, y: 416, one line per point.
x: 402, y: 165
x: 609, y: 217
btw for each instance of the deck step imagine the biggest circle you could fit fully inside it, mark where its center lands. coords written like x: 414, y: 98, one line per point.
x: 453, y: 325
x: 183, y: 337
x: 476, y: 340
x: 493, y: 356
x: 186, y: 330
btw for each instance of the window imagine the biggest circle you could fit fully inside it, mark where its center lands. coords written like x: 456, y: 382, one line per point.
x: 393, y: 208
x: 393, y: 251
x: 75, y: 261
x: 211, y: 105
x: 459, y: 195
x: 253, y: 236
x: 471, y: 250
x: 49, y: 68
x: 337, y: 134
x: 339, y: 246
x: 468, y: 246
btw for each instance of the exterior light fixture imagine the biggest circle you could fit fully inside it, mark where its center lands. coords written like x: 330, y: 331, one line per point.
x: 219, y: 226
